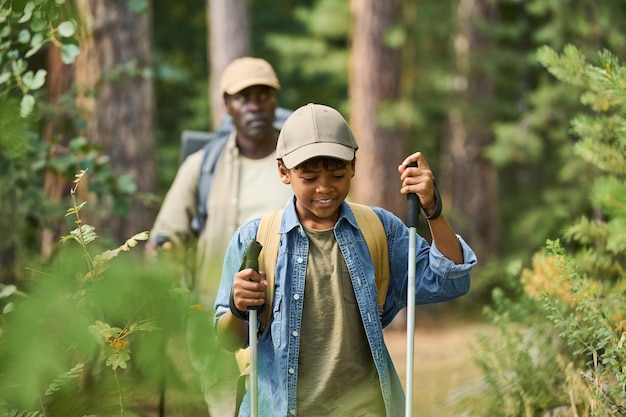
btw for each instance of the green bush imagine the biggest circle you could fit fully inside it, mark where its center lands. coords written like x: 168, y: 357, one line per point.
x: 561, y: 345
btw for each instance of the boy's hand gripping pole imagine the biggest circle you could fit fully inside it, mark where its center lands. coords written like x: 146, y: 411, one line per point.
x: 412, y: 212
x: 252, y: 261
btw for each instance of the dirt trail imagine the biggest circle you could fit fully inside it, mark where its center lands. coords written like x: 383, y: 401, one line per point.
x: 444, y: 370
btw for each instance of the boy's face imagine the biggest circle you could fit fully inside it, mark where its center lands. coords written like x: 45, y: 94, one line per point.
x: 320, y: 186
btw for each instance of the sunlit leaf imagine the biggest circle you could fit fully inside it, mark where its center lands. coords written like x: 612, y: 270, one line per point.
x: 36, y: 80
x: 69, y: 52
x: 8, y: 291
x: 67, y: 29
x: 23, y: 36
x: 8, y: 308
x: 28, y: 12
x: 73, y: 210
x: 36, y: 42
x: 26, y: 105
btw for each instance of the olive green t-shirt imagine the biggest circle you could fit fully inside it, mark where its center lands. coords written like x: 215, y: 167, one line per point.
x: 336, y: 372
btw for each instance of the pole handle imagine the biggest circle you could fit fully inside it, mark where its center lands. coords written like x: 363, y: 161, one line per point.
x: 413, y: 205
x: 252, y: 260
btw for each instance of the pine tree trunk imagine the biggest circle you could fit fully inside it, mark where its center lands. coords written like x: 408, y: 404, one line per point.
x: 469, y: 180
x: 374, y: 79
x: 56, y: 132
x: 229, y: 38
x: 120, y: 113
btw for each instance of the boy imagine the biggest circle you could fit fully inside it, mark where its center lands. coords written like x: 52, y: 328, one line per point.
x: 323, y: 353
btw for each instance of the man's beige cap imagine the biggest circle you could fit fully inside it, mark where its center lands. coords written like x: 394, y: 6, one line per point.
x: 315, y: 130
x: 246, y: 72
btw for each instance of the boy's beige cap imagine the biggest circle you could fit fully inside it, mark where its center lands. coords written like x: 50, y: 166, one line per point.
x: 246, y: 72
x: 315, y: 130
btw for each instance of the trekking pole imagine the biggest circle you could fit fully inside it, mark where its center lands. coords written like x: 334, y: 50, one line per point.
x: 413, y: 208
x: 252, y: 261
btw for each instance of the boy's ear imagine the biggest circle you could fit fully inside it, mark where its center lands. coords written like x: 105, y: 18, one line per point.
x: 283, y: 172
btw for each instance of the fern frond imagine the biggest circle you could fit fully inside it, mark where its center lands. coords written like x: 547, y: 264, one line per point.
x: 58, y: 382
x: 23, y: 413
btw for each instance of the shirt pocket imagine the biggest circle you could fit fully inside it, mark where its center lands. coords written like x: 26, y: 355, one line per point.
x: 345, y: 283
x: 276, y: 319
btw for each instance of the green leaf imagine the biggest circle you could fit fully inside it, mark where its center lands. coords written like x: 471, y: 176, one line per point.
x: 4, y: 77
x: 8, y: 308
x: 138, y: 6
x: 38, y: 24
x: 8, y: 291
x: 69, y: 52
x: 63, y: 379
x: 36, y: 42
x: 28, y: 12
x: 23, y: 36
x: 66, y: 29
x: 73, y: 210
x: 126, y: 184
x: 26, y: 105
x: 34, y: 81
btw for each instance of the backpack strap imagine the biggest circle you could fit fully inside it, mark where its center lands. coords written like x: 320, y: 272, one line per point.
x: 373, y: 233
x: 212, y: 151
x: 376, y: 239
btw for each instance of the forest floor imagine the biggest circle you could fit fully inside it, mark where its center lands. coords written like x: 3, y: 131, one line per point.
x: 444, y: 371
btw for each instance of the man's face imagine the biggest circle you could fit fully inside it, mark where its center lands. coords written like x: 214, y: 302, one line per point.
x: 252, y: 110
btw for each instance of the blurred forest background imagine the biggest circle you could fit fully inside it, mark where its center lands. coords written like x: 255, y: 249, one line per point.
x: 518, y: 106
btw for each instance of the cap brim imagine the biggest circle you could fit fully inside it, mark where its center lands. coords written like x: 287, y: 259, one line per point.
x: 313, y: 150
x: 235, y: 88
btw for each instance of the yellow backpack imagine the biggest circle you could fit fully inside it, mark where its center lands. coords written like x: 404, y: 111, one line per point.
x: 269, y: 238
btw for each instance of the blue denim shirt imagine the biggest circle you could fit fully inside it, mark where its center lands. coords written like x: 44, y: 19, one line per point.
x: 437, y: 279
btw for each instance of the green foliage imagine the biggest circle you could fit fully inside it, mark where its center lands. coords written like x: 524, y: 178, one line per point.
x: 543, y: 185
x: 579, y: 291
x: 27, y: 26
x: 83, y: 314
x: 524, y: 373
x: 25, y: 159
x: 62, y: 380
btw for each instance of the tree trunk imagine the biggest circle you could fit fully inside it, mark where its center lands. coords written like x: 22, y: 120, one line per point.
x: 229, y: 38
x: 113, y: 63
x: 374, y: 80
x: 469, y: 183
x: 56, y: 132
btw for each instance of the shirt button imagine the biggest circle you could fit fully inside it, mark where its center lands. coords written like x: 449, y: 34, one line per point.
x: 299, y: 260
x: 292, y: 412
x: 291, y: 371
x: 296, y: 296
x: 295, y: 333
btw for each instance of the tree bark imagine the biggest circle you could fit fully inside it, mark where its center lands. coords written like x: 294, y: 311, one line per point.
x: 374, y: 80
x: 57, y: 132
x: 229, y: 38
x: 117, y: 95
x: 469, y: 185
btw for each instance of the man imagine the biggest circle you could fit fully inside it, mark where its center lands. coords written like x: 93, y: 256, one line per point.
x: 243, y: 186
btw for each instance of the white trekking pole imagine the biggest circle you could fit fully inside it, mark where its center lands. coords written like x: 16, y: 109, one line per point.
x: 252, y: 261
x: 413, y: 208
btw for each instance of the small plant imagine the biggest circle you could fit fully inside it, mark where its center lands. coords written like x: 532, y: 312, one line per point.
x: 94, y: 313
